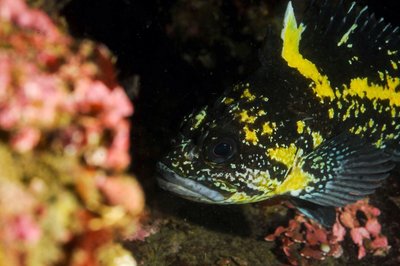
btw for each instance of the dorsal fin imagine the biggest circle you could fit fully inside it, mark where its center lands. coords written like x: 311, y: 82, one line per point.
x: 347, y: 41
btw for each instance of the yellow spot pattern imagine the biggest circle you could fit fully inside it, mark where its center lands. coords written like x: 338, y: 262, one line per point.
x: 285, y: 155
x: 296, y: 180
x: 331, y: 113
x: 300, y: 126
x: 266, y: 183
x: 371, y: 123
x: 199, y: 118
x: 240, y: 197
x: 250, y: 135
x: 317, y: 139
x: 247, y: 94
x: 381, y: 75
x: 268, y: 128
x: 261, y: 113
x: 358, y: 130
x: 244, y: 117
x: 362, y: 108
x: 228, y: 101
x: 394, y: 64
x: 379, y: 143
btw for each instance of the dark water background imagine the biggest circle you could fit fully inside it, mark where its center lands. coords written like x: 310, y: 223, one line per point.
x: 177, y: 74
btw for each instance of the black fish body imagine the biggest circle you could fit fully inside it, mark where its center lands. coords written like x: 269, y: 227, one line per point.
x: 319, y: 121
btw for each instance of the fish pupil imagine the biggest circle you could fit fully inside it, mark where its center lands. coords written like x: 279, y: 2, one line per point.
x: 223, y: 149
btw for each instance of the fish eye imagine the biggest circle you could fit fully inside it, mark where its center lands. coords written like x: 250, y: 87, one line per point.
x: 221, y: 150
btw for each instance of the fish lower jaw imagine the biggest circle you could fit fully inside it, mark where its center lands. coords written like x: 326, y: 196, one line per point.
x: 185, y: 187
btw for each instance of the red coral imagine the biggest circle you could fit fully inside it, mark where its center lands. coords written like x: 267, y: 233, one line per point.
x: 319, y: 243
x: 316, y: 242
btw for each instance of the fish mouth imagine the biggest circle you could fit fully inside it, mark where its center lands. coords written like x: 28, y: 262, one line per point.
x: 185, y: 187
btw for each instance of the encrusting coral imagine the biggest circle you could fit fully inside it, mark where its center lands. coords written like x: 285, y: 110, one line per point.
x: 64, y: 146
x: 305, y: 239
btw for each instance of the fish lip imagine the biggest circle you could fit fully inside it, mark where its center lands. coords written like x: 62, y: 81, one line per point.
x: 185, y: 187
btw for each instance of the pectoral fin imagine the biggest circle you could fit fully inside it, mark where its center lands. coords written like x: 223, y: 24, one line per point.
x: 324, y: 215
x: 344, y: 169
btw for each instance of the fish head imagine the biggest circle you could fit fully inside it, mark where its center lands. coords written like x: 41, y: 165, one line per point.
x: 220, y: 155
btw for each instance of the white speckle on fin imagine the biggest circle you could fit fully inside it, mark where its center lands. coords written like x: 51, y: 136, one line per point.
x: 289, y: 15
x: 346, y: 36
x: 295, y: 193
x: 290, y: 23
x: 353, y: 4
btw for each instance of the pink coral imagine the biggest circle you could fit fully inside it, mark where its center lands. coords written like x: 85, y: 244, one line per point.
x: 319, y: 243
x: 25, y: 228
x: 18, y: 12
x: 115, y: 187
x: 51, y: 86
x: 364, y: 233
x: 25, y: 139
x: 64, y: 144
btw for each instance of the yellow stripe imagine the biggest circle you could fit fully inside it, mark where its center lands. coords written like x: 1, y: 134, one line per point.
x: 291, y: 36
x: 359, y: 86
x: 363, y: 89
